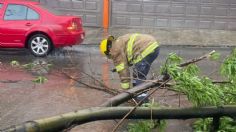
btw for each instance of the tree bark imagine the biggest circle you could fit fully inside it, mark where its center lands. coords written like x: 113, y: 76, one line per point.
x: 64, y: 121
x: 122, y: 97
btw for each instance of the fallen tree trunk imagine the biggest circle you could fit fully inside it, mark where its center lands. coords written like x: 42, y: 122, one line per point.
x: 64, y: 121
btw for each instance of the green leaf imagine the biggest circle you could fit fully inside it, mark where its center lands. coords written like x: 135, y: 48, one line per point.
x: 173, y: 58
x: 192, y: 69
x: 215, y: 56
x: 28, y: 66
x: 40, y: 79
x: 228, y: 68
x: 15, y: 63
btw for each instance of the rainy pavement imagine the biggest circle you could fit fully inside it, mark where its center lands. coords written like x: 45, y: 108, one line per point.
x: 22, y: 100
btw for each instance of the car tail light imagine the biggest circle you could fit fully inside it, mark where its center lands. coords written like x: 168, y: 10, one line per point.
x: 73, y: 26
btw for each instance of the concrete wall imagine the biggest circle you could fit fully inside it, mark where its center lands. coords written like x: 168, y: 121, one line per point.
x: 184, y: 14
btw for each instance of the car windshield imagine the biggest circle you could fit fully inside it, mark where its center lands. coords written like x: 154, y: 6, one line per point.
x: 53, y: 11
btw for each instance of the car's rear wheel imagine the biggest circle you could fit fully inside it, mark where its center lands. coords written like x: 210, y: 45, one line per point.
x: 39, y: 45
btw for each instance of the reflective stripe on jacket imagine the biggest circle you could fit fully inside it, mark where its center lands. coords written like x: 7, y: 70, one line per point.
x: 131, y: 49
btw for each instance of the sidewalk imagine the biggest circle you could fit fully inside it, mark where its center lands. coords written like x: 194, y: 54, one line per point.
x: 169, y: 37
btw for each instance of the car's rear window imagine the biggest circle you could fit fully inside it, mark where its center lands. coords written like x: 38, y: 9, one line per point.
x: 53, y: 11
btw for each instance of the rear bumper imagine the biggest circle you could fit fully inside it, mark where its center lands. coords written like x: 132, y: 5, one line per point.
x: 70, y: 39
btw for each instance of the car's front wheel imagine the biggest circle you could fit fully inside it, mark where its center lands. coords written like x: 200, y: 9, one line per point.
x: 39, y: 45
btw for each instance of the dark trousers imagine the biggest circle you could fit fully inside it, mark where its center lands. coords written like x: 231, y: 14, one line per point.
x: 142, y: 68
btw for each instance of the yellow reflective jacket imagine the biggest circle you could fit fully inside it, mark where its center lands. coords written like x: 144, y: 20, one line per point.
x: 130, y: 49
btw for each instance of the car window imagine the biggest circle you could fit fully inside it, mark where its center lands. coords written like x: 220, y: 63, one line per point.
x: 32, y: 15
x: 0, y: 5
x: 15, y: 12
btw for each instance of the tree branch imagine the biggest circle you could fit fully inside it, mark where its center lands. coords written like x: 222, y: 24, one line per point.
x: 197, y: 59
x: 60, y: 122
x: 110, y: 91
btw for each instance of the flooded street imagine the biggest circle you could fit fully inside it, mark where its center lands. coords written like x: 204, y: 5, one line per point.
x: 22, y: 100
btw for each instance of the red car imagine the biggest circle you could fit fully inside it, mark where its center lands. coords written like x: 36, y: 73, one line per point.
x: 28, y: 24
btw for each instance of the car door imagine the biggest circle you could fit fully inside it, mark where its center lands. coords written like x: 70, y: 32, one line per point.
x: 17, y: 21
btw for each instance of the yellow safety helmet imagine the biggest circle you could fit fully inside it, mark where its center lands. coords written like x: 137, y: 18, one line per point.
x: 105, y: 45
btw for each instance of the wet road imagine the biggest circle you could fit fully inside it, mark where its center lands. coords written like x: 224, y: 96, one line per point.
x: 90, y: 59
x: 22, y: 100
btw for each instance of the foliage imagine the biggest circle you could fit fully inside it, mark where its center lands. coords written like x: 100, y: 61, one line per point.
x: 38, y: 67
x: 227, y: 125
x: 148, y: 125
x: 199, y: 90
x: 203, y: 124
x: 141, y: 126
x: 230, y: 94
x: 15, y: 63
x: 40, y: 79
x: 228, y: 68
x: 28, y: 66
x: 215, y: 56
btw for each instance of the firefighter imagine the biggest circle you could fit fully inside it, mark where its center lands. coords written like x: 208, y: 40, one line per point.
x: 137, y: 50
